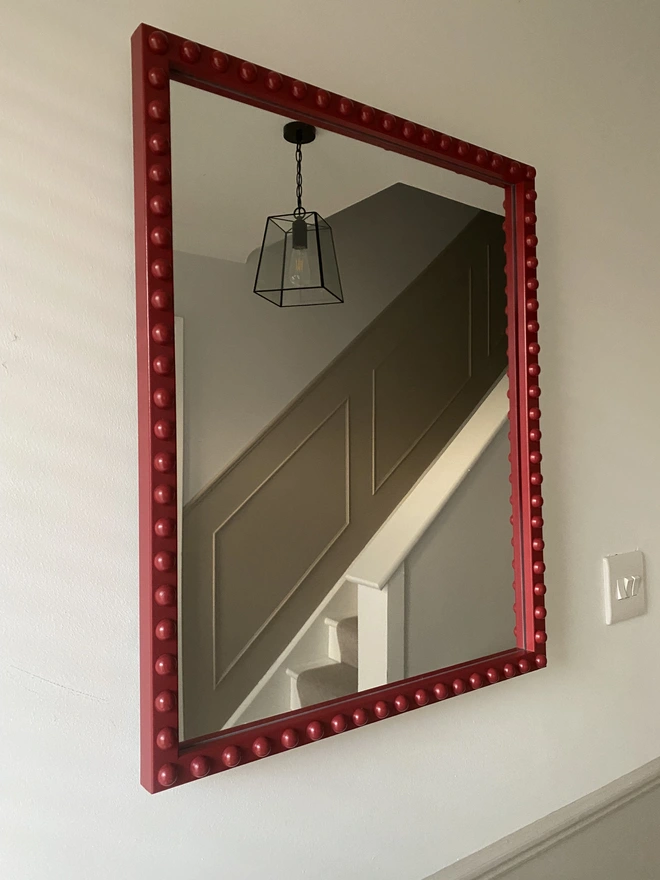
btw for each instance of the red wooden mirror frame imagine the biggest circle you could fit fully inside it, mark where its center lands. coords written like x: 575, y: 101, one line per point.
x: 159, y: 57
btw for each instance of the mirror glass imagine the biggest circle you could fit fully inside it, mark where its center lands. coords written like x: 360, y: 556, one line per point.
x: 344, y: 512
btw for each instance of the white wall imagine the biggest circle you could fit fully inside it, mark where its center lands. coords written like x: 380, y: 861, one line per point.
x: 570, y: 87
x: 246, y: 359
x: 458, y: 576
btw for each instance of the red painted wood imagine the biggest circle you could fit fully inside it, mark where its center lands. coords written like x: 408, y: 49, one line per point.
x: 339, y: 723
x: 200, y: 766
x: 261, y: 747
x: 381, y: 709
x: 289, y: 738
x: 315, y: 730
x: 158, y: 58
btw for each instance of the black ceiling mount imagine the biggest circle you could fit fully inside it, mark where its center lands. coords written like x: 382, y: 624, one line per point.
x: 299, y: 133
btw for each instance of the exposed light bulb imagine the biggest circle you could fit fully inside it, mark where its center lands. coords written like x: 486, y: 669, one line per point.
x: 298, y: 269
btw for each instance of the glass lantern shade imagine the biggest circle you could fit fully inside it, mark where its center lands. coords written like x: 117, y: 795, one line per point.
x: 297, y: 263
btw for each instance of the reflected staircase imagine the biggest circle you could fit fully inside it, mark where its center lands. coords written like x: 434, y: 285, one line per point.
x: 331, y: 677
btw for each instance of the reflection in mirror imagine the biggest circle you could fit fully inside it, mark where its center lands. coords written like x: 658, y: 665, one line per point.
x: 343, y: 471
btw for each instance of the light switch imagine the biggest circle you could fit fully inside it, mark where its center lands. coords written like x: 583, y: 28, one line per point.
x: 625, y: 587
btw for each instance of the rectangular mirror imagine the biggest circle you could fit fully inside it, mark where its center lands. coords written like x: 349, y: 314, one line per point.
x: 341, y: 495
x: 307, y: 435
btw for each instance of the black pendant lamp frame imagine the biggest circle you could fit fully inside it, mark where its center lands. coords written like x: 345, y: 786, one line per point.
x: 304, y: 231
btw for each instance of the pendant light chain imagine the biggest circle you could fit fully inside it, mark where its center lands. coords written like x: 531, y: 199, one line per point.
x: 300, y: 211
x: 297, y: 262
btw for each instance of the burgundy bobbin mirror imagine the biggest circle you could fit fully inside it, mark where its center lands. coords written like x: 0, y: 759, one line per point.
x: 338, y: 415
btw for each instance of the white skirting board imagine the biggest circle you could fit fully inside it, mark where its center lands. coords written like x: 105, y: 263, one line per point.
x: 522, y: 847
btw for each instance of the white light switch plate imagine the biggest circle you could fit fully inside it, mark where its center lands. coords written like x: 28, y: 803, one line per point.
x: 625, y: 586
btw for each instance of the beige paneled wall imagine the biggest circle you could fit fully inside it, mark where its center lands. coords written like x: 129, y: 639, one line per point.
x: 247, y: 359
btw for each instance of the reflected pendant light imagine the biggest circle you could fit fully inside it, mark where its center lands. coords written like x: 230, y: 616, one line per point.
x: 297, y: 262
